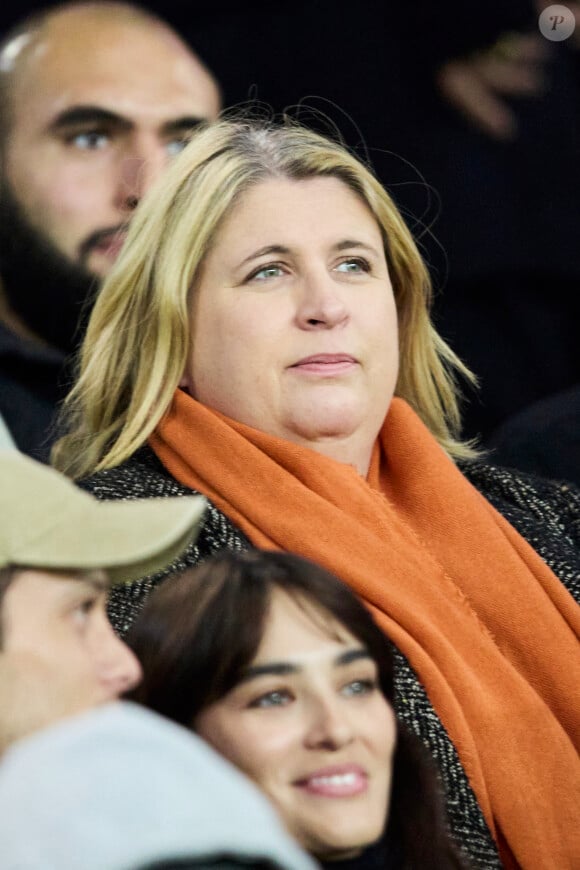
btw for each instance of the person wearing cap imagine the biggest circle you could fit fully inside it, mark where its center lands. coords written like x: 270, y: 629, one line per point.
x: 88, y: 781
x: 60, y: 550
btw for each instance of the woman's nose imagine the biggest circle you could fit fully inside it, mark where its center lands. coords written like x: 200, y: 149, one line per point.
x: 321, y: 304
x: 329, y: 726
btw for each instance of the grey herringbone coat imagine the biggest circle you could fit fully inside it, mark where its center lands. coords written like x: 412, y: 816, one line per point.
x: 546, y: 514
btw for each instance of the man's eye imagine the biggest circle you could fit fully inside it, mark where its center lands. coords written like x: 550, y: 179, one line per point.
x: 176, y: 146
x: 90, y: 141
x: 276, y: 698
x: 83, y: 610
x: 354, y: 265
x: 359, y: 687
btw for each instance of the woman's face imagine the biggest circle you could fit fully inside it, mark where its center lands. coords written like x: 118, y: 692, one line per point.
x: 294, y: 326
x: 309, y: 724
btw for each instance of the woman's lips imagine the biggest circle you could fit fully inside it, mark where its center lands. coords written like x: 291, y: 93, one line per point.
x: 336, y: 782
x: 326, y: 363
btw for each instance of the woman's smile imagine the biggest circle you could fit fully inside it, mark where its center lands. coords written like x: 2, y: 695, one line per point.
x: 337, y: 781
x: 310, y: 725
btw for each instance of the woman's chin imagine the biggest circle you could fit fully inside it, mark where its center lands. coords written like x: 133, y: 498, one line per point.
x: 337, y: 832
x: 343, y: 849
x: 322, y: 424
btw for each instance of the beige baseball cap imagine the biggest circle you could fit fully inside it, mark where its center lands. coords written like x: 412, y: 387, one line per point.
x: 47, y: 522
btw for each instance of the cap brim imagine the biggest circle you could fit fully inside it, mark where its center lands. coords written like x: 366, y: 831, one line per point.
x: 129, y: 539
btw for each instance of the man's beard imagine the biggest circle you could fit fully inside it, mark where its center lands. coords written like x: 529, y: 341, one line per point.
x: 51, y: 294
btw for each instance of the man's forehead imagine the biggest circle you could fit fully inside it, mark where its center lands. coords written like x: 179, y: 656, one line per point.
x: 140, y: 73
x: 94, y: 578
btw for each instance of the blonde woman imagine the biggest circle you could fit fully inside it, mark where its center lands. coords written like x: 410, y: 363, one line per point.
x: 265, y: 339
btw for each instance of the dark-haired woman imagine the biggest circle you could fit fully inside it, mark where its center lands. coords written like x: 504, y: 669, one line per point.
x: 279, y: 666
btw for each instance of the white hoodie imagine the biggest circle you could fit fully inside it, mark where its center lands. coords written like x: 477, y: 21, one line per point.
x: 119, y: 788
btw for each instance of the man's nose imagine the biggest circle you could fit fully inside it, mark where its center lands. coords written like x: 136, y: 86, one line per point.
x: 119, y: 667
x: 329, y: 726
x: 139, y: 168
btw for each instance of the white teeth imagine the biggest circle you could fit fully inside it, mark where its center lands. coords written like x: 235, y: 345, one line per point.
x: 336, y: 780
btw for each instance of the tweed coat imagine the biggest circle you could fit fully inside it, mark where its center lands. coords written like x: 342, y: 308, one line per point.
x: 545, y: 513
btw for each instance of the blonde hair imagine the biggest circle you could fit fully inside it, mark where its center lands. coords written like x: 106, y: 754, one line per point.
x: 137, y: 340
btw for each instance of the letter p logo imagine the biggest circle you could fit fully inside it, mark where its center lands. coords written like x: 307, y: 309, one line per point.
x: 557, y: 23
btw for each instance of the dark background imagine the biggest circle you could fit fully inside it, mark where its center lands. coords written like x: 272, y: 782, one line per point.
x: 497, y: 222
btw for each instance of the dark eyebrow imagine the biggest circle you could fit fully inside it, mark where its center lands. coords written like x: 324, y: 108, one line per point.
x: 88, y: 115
x: 275, y: 669
x: 282, y: 669
x: 182, y: 125
x: 353, y: 655
x: 78, y: 115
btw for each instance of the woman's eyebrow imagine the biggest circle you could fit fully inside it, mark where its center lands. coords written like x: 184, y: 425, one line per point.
x: 352, y: 655
x: 282, y: 669
x: 276, y: 669
x: 345, y: 244
x: 267, y: 249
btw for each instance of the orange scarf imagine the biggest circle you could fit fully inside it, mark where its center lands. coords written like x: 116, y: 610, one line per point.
x: 490, y: 630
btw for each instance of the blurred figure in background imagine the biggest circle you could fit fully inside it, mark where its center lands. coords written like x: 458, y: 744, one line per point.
x: 504, y: 159
x: 95, y: 98
x: 543, y: 439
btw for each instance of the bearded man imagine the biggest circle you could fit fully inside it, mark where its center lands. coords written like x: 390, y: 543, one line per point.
x: 95, y: 99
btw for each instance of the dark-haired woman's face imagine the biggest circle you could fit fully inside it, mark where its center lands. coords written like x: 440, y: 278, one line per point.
x: 309, y: 724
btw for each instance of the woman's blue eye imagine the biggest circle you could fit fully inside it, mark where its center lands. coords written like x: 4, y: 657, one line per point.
x: 271, y: 699
x: 266, y: 272
x: 355, y: 266
x: 359, y: 687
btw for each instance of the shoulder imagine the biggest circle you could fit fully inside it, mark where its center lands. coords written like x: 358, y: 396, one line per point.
x: 143, y: 476
x: 555, y: 503
x: 545, y: 512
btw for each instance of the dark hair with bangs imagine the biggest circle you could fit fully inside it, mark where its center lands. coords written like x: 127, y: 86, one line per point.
x: 199, y: 632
